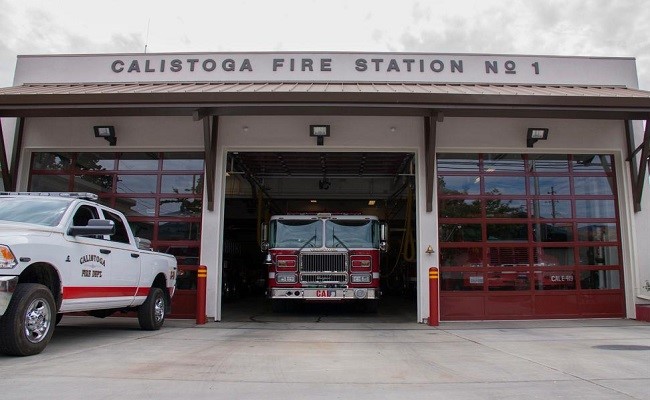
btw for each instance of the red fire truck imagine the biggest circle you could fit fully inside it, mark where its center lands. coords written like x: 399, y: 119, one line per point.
x: 323, y: 257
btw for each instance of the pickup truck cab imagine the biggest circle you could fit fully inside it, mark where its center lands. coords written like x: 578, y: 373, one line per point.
x: 63, y: 252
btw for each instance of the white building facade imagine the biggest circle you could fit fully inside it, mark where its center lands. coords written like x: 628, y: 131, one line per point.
x: 552, y: 227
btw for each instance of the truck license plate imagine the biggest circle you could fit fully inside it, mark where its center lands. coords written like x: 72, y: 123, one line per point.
x: 326, y: 293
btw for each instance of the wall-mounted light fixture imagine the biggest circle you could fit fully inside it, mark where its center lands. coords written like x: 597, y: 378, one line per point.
x: 371, y: 202
x: 535, y: 134
x: 106, y: 132
x: 319, y: 131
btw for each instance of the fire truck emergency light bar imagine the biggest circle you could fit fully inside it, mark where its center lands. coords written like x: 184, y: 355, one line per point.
x: 76, y: 195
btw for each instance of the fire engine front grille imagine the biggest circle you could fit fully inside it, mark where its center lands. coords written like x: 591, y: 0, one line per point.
x: 323, y: 268
x: 324, y: 278
x: 328, y: 262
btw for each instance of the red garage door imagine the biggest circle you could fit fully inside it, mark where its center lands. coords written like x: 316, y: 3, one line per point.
x: 160, y: 194
x: 529, y: 236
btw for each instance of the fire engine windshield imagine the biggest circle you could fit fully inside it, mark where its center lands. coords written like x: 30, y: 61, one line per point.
x: 352, y: 233
x: 296, y: 233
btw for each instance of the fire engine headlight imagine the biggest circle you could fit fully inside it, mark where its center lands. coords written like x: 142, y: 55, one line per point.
x: 361, y: 278
x: 7, y: 258
x: 285, y: 278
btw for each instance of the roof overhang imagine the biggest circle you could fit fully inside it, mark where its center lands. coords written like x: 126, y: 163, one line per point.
x: 327, y: 98
x: 432, y: 100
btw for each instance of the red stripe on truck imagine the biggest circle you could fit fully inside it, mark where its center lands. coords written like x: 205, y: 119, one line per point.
x: 83, y: 292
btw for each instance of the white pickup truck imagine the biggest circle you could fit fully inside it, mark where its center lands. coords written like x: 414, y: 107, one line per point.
x: 63, y: 252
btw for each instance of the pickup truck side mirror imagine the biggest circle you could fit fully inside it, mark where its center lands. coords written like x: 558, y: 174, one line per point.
x: 143, y: 244
x: 94, y: 227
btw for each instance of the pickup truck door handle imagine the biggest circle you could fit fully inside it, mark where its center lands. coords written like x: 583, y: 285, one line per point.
x: 105, y: 251
x: 135, y: 255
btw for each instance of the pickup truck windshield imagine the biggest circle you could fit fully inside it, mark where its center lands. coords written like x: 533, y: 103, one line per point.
x: 45, y: 212
x: 352, y: 233
x: 296, y: 233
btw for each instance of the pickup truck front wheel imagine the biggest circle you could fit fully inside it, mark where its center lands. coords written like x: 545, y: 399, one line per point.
x: 28, y: 324
x: 151, y: 313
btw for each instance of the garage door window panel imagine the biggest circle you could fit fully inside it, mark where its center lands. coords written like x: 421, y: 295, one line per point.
x: 551, y: 209
x: 597, y: 232
x: 182, y: 162
x: 545, y: 163
x: 469, y: 184
x: 49, y: 183
x: 93, y: 183
x: 462, y: 281
x: 550, y: 186
x: 95, y: 161
x: 460, y: 233
x: 182, y: 184
x: 553, y: 232
x: 600, y: 279
x: 457, y: 162
x: 132, y: 184
x: 52, y: 161
x: 555, y: 280
x: 595, y: 209
x: 180, y: 207
x: 547, y: 256
x: 506, y: 208
x: 505, y: 185
x: 177, y: 230
x: 138, y: 162
x: 459, y: 208
x: 461, y: 257
x: 503, y: 163
x: 136, y: 206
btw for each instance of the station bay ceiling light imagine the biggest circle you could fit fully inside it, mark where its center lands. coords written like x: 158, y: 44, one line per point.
x: 106, y: 132
x: 319, y: 131
x: 535, y: 134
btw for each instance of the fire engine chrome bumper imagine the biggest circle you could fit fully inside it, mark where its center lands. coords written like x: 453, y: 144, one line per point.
x: 7, y: 287
x: 327, y: 294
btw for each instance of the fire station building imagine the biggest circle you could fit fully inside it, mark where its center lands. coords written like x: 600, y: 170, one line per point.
x: 522, y: 179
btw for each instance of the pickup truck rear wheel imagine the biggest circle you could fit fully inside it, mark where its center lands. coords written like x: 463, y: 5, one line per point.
x: 151, y: 313
x: 28, y: 324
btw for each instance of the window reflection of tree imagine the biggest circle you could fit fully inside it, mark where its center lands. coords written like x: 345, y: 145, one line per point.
x: 52, y: 161
x: 469, y: 185
x: 187, y: 206
x: 459, y: 208
x: 93, y: 182
x: 505, y: 208
x: 96, y: 183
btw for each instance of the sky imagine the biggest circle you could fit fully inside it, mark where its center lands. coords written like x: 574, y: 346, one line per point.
x: 611, y: 28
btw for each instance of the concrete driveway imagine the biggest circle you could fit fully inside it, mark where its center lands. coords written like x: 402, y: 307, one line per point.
x: 295, y: 357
